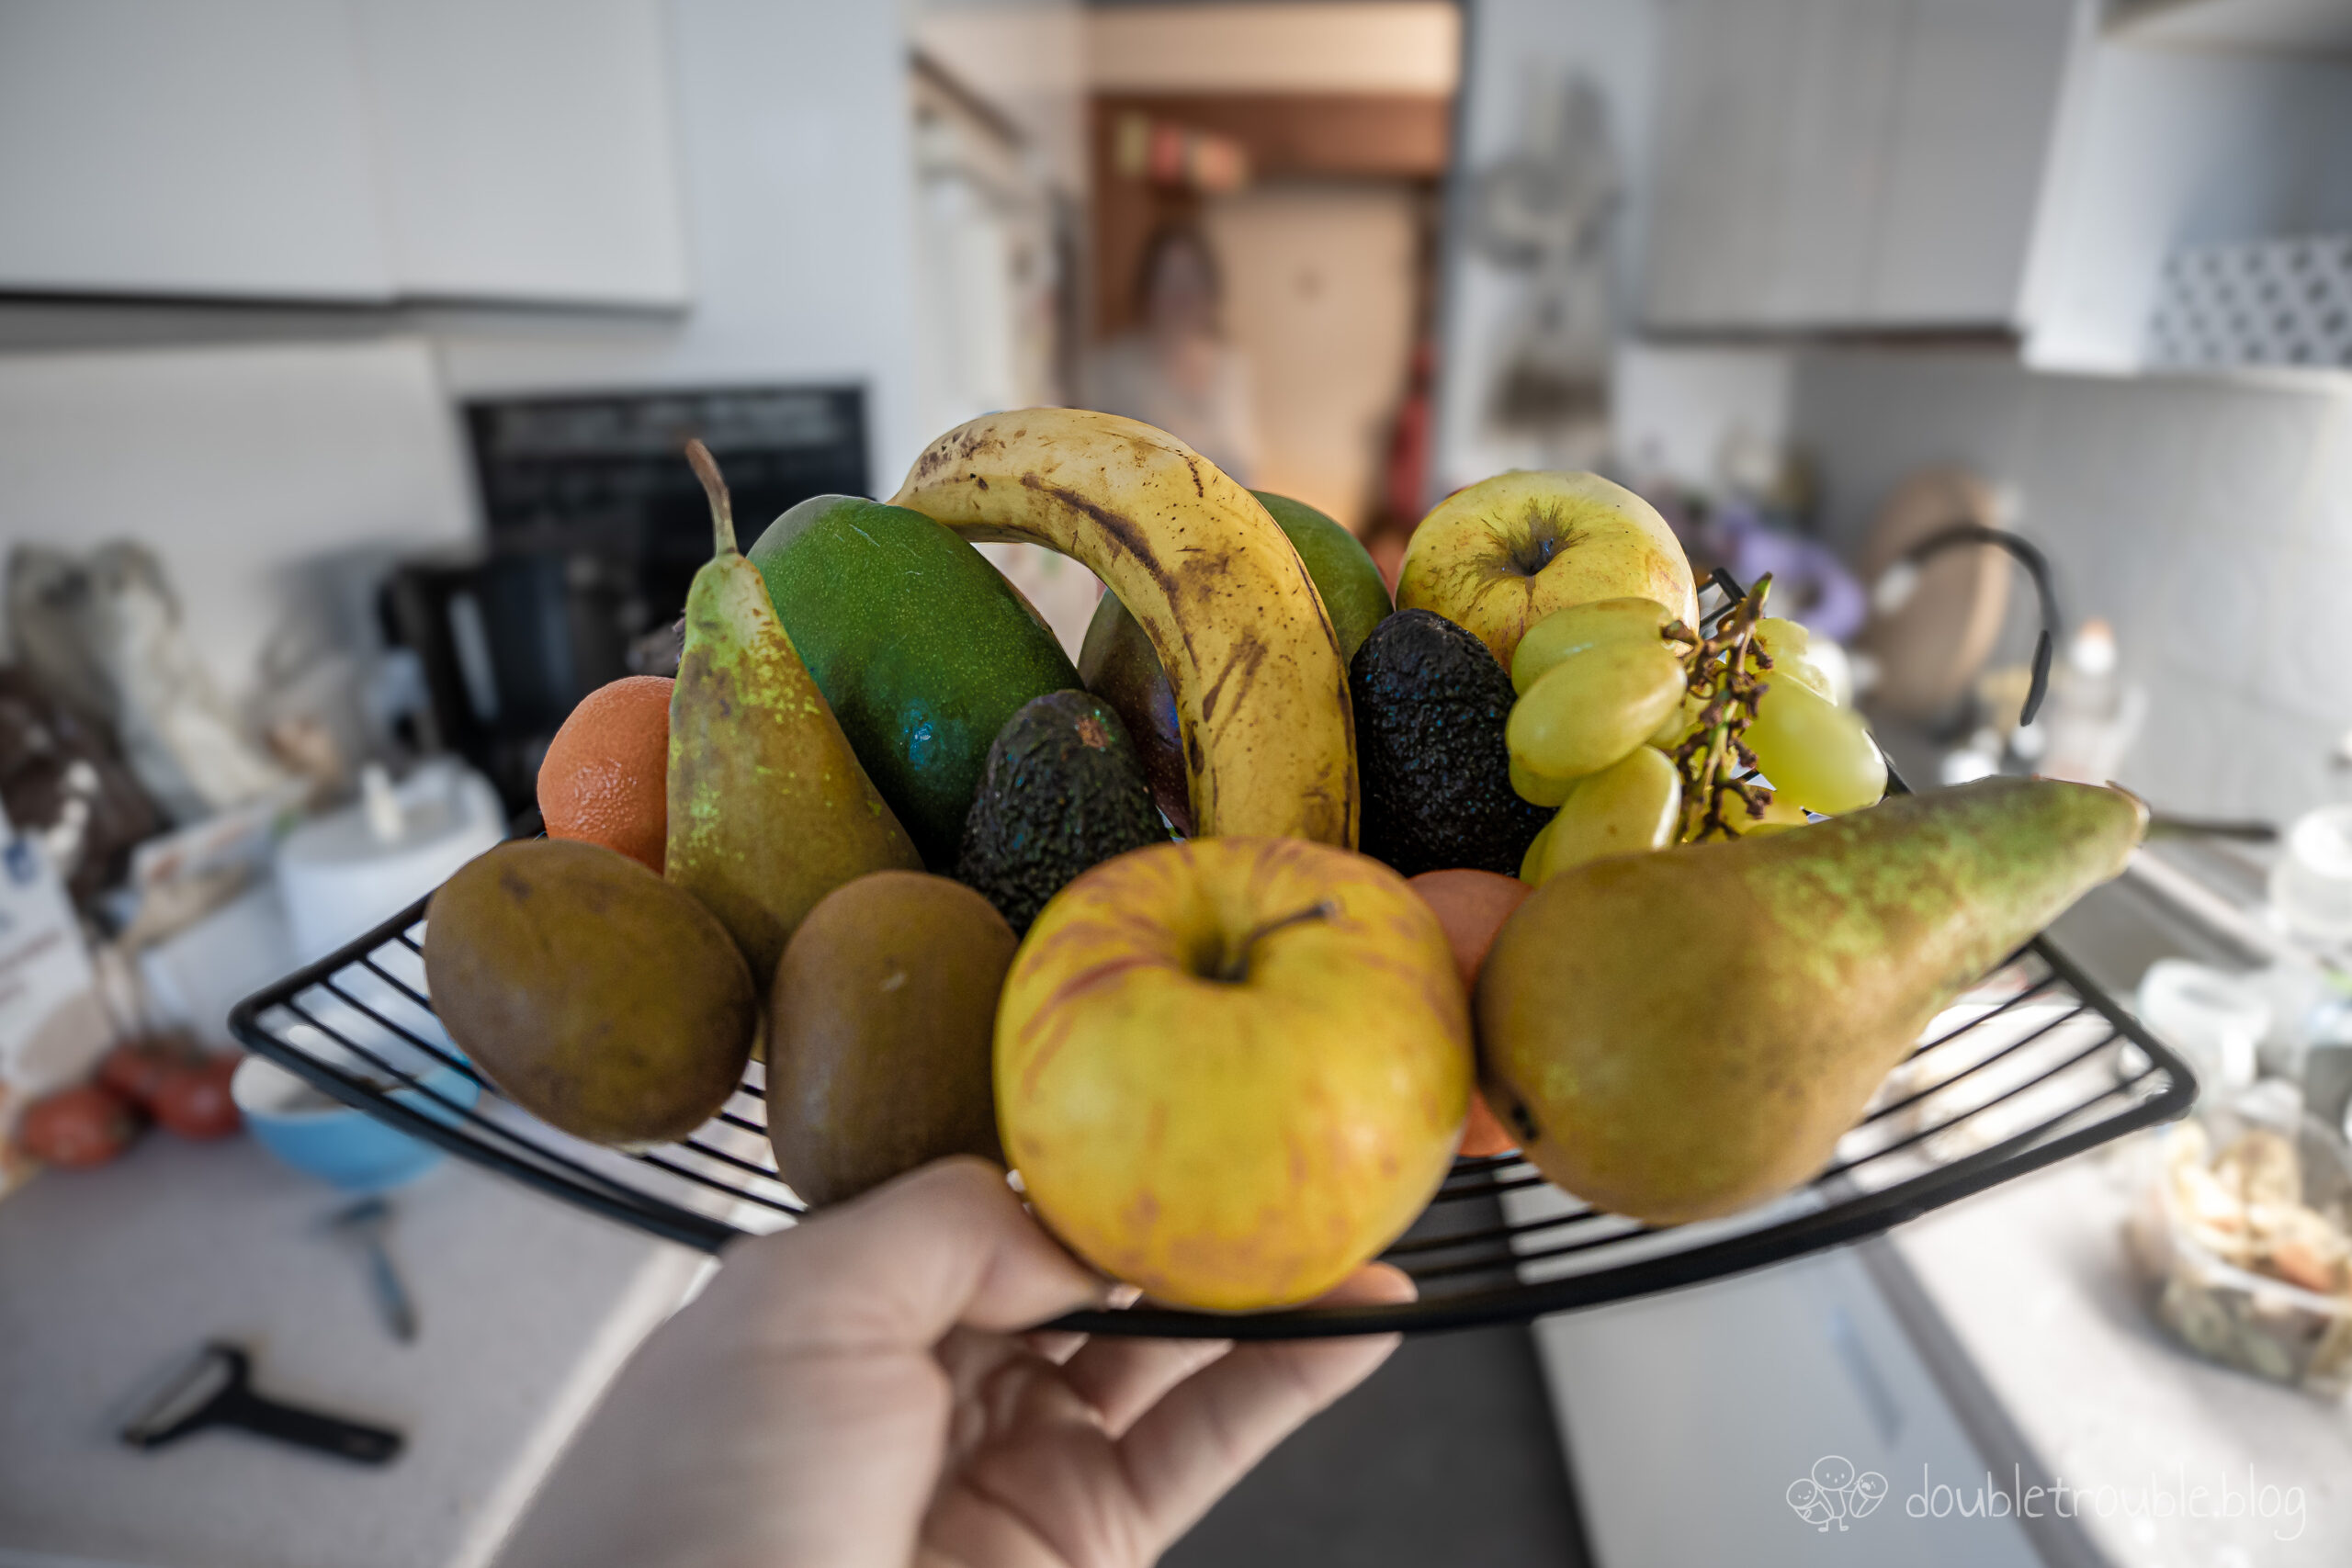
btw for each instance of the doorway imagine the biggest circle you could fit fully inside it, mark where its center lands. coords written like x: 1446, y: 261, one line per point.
x: 1321, y: 297
x: 1321, y: 208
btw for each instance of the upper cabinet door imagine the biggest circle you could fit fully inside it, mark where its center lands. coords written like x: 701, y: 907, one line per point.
x: 1974, y: 114
x: 359, y: 151
x: 1724, y: 108
x: 162, y: 148
x: 527, y: 149
x: 1850, y: 163
x: 1835, y: 159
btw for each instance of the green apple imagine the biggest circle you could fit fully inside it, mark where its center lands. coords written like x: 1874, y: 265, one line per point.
x: 1231, y: 1070
x: 1117, y: 663
x: 1500, y: 556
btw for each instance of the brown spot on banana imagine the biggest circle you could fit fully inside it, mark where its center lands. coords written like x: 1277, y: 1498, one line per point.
x: 1252, y: 660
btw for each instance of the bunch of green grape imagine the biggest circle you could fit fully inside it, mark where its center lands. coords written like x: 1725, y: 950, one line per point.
x: 1605, y: 695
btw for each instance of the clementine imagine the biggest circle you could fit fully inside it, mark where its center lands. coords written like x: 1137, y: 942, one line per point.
x: 605, y: 777
x: 1472, y: 906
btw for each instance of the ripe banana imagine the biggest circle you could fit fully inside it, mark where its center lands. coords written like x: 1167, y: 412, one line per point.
x: 1261, y: 689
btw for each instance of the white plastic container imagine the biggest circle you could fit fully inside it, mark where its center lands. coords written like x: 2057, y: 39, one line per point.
x: 2215, y: 1020
x: 2311, y: 883
x: 343, y: 872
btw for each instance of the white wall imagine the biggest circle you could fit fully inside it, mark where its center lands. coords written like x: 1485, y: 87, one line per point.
x: 242, y: 462
x: 1511, y: 46
x: 1675, y: 407
x: 2208, y: 519
x: 242, y: 467
x: 1027, y: 59
x: 799, y: 211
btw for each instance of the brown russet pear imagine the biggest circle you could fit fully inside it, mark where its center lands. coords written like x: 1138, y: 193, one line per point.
x: 1681, y: 1035
x: 881, y: 1034
x: 769, y: 808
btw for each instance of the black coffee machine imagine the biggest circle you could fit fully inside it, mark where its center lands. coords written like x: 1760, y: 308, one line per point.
x: 595, y: 528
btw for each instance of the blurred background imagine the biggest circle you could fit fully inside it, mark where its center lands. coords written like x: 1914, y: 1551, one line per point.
x: 346, y: 347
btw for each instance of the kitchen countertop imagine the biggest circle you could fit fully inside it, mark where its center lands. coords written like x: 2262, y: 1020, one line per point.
x: 108, y: 1277
x: 2040, y: 1298
x: 2026, y: 1306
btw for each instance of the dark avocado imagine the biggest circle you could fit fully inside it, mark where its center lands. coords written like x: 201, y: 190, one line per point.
x: 1064, y: 791
x: 1118, y: 665
x: 1431, y: 704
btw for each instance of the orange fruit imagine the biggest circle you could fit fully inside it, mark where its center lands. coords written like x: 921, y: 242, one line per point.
x: 1472, y: 906
x: 605, y: 779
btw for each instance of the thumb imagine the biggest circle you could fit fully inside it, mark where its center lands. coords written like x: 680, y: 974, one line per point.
x: 940, y: 1246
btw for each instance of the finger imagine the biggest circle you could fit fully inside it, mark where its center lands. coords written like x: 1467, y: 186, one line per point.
x: 945, y: 1245
x: 1124, y: 1378
x: 1182, y: 1455
x: 1054, y: 1347
x: 991, y: 1377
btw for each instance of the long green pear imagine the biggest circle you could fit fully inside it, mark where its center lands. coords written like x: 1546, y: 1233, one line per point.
x: 769, y: 809
x: 1683, y: 1034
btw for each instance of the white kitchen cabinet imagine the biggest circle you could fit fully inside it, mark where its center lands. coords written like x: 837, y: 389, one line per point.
x: 1974, y: 103
x: 2167, y: 147
x: 1843, y: 84
x: 1977, y: 165
x: 154, y: 147
x: 1772, y: 153
x: 1829, y: 164
x: 348, y: 151
x: 1718, y: 119
x: 525, y: 149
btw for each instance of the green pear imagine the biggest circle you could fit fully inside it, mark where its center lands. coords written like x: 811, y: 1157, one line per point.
x: 1682, y: 1035
x: 769, y: 809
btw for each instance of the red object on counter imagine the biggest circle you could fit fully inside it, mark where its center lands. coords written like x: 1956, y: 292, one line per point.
x: 136, y: 1070
x: 194, y: 1100
x: 78, y: 1127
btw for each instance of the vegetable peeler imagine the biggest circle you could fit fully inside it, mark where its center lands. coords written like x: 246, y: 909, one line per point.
x: 214, y: 1388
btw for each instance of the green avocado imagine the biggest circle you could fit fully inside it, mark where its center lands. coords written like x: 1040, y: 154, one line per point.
x: 1353, y: 594
x: 921, y: 646
x: 1118, y: 664
x: 1064, y: 791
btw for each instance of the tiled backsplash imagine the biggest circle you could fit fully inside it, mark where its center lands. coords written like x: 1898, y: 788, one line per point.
x: 2208, y: 519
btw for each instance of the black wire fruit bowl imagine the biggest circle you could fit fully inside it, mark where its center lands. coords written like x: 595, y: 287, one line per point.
x: 2034, y: 1065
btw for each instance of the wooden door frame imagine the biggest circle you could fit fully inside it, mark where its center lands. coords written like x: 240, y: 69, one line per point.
x: 1387, y: 136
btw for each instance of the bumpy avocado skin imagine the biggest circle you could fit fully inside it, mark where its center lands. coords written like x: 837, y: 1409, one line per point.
x: 1064, y: 791
x: 1431, y: 704
x: 921, y: 648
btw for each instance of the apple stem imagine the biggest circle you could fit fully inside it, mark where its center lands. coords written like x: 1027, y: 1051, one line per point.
x: 1237, y: 968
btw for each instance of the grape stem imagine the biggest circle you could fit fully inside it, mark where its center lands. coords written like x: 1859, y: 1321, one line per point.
x: 1724, y: 669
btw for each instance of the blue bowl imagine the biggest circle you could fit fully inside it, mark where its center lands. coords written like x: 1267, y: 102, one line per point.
x: 345, y: 1148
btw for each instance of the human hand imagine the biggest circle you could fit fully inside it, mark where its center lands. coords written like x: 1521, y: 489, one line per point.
x: 857, y: 1393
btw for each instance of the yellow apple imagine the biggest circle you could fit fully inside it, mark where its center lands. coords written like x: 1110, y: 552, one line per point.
x: 1231, y: 1070
x: 1501, y: 555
